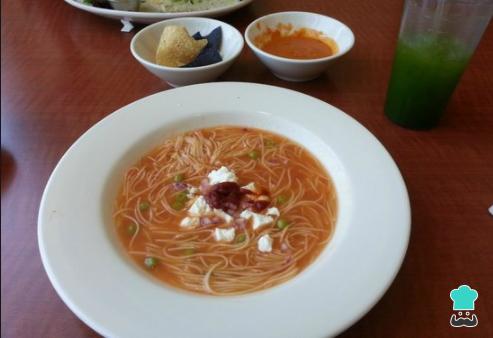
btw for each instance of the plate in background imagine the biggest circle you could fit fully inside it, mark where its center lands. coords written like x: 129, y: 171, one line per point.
x: 150, y: 17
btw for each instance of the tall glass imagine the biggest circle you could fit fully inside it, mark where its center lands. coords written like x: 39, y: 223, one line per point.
x: 436, y: 41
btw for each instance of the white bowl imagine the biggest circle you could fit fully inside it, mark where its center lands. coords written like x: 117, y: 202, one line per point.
x: 145, y: 42
x: 296, y: 69
x: 85, y: 263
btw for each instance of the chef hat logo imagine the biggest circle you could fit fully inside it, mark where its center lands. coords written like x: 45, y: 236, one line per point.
x: 463, y: 297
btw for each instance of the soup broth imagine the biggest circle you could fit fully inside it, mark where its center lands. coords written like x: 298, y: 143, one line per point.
x: 225, y: 210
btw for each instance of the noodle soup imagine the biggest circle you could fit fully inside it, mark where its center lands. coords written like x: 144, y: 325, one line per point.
x: 225, y: 210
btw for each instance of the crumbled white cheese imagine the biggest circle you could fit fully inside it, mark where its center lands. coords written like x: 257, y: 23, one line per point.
x: 200, y: 207
x: 264, y: 243
x: 258, y: 220
x: 221, y: 175
x: 189, y: 222
x: 251, y: 186
x: 227, y: 218
x: 246, y: 214
x: 224, y: 235
x: 192, y: 191
x: 273, y: 212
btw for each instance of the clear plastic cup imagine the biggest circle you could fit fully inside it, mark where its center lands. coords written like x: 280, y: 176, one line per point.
x: 436, y: 41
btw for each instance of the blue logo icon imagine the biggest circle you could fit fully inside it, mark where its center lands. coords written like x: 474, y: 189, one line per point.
x: 463, y: 298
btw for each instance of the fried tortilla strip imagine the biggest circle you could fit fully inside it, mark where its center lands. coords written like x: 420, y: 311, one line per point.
x: 177, y: 48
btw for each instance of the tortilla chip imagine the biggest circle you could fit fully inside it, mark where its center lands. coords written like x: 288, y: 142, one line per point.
x: 176, y: 48
x: 210, y: 54
x: 214, y: 38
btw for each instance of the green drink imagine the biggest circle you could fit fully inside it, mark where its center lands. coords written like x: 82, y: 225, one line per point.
x: 436, y: 41
x: 425, y: 73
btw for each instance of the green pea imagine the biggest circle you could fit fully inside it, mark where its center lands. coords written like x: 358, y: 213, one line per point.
x: 270, y: 143
x: 177, y: 205
x: 240, y: 238
x: 132, y: 228
x: 144, y: 206
x: 179, y: 178
x: 181, y: 197
x: 281, y: 199
x: 282, y: 223
x: 189, y: 251
x: 150, y: 262
x: 254, y: 154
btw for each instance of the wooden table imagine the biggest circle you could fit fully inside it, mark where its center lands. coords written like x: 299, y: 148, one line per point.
x: 64, y: 70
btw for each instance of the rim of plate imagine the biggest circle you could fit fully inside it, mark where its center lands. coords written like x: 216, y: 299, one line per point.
x: 93, y: 277
x: 156, y: 15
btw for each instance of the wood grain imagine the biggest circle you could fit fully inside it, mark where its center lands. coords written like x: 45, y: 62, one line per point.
x: 63, y: 70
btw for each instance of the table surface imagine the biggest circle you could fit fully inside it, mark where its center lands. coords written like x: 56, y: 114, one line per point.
x: 63, y: 70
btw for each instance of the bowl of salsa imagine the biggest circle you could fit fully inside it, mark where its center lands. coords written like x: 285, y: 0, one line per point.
x: 298, y: 46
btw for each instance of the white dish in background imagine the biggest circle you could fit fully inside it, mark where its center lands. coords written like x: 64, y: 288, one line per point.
x: 144, y: 44
x: 296, y: 69
x: 150, y: 17
x: 96, y: 280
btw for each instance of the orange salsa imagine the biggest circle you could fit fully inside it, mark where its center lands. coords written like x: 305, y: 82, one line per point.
x: 304, y: 43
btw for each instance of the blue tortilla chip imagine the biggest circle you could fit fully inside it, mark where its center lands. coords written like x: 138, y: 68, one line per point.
x: 210, y: 53
x: 207, y: 56
x: 213, y: 39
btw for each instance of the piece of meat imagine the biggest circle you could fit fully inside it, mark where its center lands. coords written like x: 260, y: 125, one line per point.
x: 205, y: 187
x: 239, y: 223
x: 225, y: 196
x: 255, y: 203
x: 180, y: 186
x: 260, y: 205
x: 206, y: 221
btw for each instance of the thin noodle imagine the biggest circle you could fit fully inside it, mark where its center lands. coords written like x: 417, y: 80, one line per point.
x: 191, y: 258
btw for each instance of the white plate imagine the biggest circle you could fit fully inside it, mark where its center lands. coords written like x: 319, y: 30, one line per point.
x: 83, y: 260
x: 150, y: 17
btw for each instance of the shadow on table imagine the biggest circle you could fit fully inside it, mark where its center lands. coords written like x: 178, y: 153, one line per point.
x: 8, y: 169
